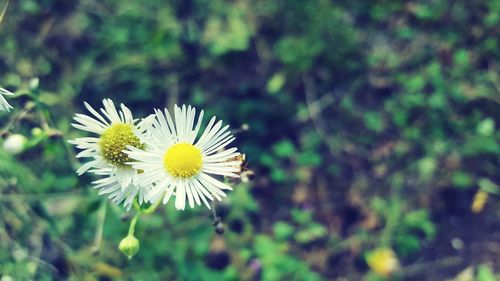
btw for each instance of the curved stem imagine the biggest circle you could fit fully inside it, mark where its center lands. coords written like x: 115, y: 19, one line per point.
x: 133, y: 222
x: 151, y: 209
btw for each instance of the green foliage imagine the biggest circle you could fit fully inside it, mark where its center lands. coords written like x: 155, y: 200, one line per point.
x: 462, y: 179
x: 281, y: 265
x: 488, y: 186
x: 358, y: 118
x: 484, y: 273
x: 229, y: 32
x: 275, y: 84
x: 284, y: 149
x: 404, y: 230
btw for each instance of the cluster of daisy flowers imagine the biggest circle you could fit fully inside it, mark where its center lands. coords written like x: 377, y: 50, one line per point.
x: 158, y: 157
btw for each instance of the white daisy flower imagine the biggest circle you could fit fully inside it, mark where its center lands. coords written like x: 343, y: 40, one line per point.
x: 176, y: 161
x: 4, y: 105
x: 115, y: 132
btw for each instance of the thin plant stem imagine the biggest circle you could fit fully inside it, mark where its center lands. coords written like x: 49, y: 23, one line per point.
x: 133, y: 222
x: 4, y: 10
x: 151, y: 209
x: 101, y: 218
x: 214, y: 213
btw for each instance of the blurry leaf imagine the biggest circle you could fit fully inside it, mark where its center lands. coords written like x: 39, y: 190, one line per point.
x: 312, y: 232
x: 400, y: 117
x: 480, y: 145
x: 301, y: 216
x: 423, y: 11
x: 284, y: 149
x: 279, y: 175
x: 414, y: 84
x: 437, y: 101
x: 230, y: 34
x: 50, y: 99
x: 484, y: 273
x: 104, y: 269
x: 407, y: 244
x: 11, y: 169
x: 283, y: 230
x: 486, y: 127
x: 276, y: 82
x: 462, y: 179
x: 242, y: 197
x: 461, y: 58
x: 406, y: 32
x: 267, y: 160
x: 420, y: 219
x: 36, y: 140
x: 378, y: 204
x: 427, y: 166
x: 309, y: 159
x: 298, y: 52
x: 374, y: 121
x: 489, y: 186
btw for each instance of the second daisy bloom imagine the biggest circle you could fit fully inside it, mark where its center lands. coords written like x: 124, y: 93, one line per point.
x: 178, y: 162
x: 114, y: 130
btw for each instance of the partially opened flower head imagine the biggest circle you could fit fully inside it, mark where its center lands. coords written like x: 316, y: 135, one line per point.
x: 4, y: 105
x: 114, y: 130
x: 176, y: 161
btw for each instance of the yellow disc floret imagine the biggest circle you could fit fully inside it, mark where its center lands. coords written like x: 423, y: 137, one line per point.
x: 116, y: 139
x: 182, y: 160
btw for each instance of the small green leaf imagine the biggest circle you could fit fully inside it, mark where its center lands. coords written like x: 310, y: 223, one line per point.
x: 313, y: 232
x: 461, y: 58
x: 279, y: 175
x: 283, y: 230
x: 488, y: 186
x: 414, y: 83
x: 423, y: 12
x: 309, y: 159
x: 374, y: 121
x: 276, y: 82
x: 267, y: 160
x: 301, y: 216
x: 427, y: 166
x: 462, y: 179
x: 484, y: 273
x: 284, y: 149
x: 486, y: 127
x: 407, y: 244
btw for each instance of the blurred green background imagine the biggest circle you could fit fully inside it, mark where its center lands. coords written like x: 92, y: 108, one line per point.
x: 369, y: 125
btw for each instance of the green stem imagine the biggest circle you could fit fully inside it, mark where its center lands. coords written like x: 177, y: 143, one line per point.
x: 136, y: 205
x: 151, y: 209
x: 101, y: 217
x: 133, y: 222
x: 4, y: 10
x: 214, y: 213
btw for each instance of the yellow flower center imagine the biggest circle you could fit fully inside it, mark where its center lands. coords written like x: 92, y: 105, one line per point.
x: 182, y: 160
x: 114, y: 140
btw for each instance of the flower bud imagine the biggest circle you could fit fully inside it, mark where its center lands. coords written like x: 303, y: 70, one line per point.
x: 129, y: 246
x: 15, y: 144
x: 36, y: 131
x: 382, y: 261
